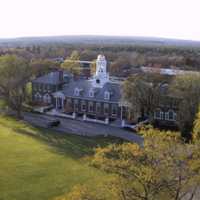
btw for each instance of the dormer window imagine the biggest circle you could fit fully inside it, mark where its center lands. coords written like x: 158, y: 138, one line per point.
x: 107, y: 95
x: 77, y: 92
x: 91, y: 93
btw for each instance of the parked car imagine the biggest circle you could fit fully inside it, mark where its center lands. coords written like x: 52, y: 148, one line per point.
x: 52, y: 123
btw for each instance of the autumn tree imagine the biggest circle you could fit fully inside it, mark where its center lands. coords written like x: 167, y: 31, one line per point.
x: 15, y: 72
x: 163, y: 168
x: 143, y: 93
x: 187, y: 88
x: 71, y: 63
x: 196, y: 127
x: 42, y: 66
x: 83, y: 192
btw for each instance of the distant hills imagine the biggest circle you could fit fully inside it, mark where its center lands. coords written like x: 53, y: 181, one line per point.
x: 92, y: 39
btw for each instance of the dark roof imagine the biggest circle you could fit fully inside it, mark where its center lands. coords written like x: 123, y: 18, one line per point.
x: 86, y: 86
x: 51, y: 78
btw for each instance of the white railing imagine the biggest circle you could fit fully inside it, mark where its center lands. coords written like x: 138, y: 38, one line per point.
x: 96, y: 120
x: 59, y: 114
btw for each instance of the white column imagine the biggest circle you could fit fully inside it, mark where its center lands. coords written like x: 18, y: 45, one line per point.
x: 84, y: 117
x: 123, y: 123
x: 56, y: 103
x: 63, y: 103
x: 121, y: 111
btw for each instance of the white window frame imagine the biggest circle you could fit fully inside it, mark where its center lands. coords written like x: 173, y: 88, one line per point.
x: 173, y: 114
x: 91, y: 93
x: 76, y: 105
x: 47, y: 98
x: 167, y: 116
x: 76, y: 92
x: 38, y: 97
x: 107, y: 95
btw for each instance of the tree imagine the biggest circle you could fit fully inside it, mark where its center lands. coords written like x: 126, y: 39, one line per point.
x: 79, y: 192
x: 143, y: 93
x: 71, y: 63
x: 187, y: 88
x: 164, y: 168
x: 14, y: 75
x: 196, y: 128
x: 93, y: 67
x: 42, y: 66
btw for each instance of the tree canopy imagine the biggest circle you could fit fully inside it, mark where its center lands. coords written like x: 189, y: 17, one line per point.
x: 143, y: 93
x: 15, y: 72
x: 71, y: 63
x: 187, y: 88
x: 163, y: 168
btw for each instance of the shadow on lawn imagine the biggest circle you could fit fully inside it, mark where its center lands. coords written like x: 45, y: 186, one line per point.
x: 66, y: 144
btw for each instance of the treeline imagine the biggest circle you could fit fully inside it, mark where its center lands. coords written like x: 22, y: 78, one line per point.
x: 122, y: 56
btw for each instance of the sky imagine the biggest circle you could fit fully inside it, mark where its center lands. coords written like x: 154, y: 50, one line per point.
x: 158, y: 18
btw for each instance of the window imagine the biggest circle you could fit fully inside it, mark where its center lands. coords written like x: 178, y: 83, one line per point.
x: 114, y: 109
x: 38, y: 97
x: 91, y: 93
x: 162, y: 115
x: 157, y: 114
x: 83, y: 106
x: 47, y: 98
x: 171, y: 115
x: 76, y: 105
x: 98, y: 107
x: 167, y: 116
x: 77, y: 92
x: 107, y: 95
x: 69, y: 103
x: 91, y: 107
x: 106, y: 108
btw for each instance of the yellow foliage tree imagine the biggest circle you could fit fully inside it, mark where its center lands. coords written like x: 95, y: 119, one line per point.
x: 71, y: 64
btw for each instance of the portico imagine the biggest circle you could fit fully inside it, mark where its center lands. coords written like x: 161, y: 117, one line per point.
x: 59, y: 100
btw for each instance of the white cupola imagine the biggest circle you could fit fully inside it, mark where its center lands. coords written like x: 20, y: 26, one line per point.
x: 101, y: 76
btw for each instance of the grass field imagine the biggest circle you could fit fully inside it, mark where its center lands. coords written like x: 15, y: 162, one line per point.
x: 36, y: 164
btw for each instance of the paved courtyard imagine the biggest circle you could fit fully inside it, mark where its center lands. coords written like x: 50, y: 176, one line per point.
x: 82, y: 128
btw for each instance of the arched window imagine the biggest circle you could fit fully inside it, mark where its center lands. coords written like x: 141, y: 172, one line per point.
x: 38, y: 97
x: 91, y: 93
x: 106, y: 95
x: 47, y: 98
x: 78, y: 91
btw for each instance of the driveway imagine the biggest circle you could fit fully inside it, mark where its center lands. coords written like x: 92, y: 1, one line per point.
x: 82, y: 128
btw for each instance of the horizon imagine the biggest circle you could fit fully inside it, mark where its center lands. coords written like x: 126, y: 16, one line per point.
x: 88, y: 35
x: 174, y: 19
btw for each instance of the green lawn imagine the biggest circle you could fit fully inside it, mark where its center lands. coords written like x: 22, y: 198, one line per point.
x: 36, y: 164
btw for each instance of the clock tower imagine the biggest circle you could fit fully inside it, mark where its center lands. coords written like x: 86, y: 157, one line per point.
x: 101, y: 76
